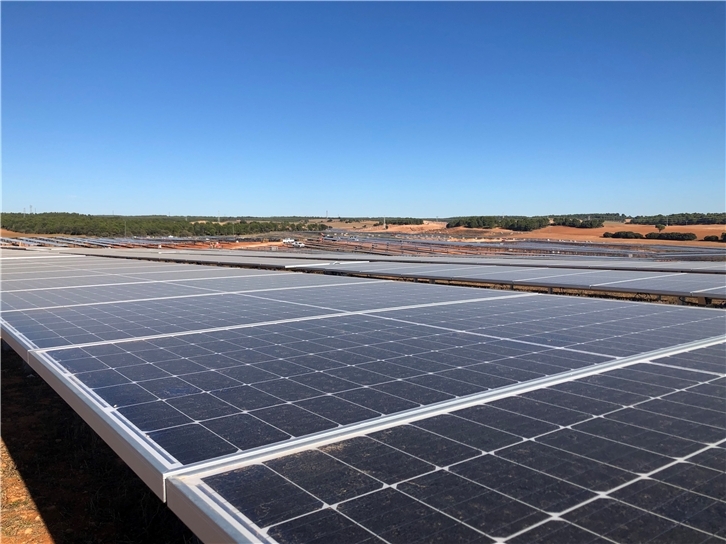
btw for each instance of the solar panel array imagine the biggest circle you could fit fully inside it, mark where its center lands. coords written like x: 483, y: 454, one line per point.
x: 277, y: 406
x: 658, y: 278
x: 629, y: 455
x: 653, y: 264
x: 667, y: 283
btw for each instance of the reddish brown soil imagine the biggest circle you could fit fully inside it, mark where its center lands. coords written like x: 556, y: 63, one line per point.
x: 10, y: 234
x: 571, y: 234
x: 595, y: 235
x: 428, y: 226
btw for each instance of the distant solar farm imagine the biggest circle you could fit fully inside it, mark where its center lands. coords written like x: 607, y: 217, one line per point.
x: 393, y: 389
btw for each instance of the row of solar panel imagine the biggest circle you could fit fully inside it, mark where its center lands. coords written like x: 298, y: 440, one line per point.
x: 715, y: 266
x: 177, y: 379
x: 390, y: 359
x: 681, y: 283
x: 631, y: 455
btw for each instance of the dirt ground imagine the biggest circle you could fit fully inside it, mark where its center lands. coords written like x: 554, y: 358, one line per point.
x: 367, y: 226
x: 252, y: 245
x: 61, y: 482
x: 592, y: 235
x: 438, y: 228
x: 571, y: 234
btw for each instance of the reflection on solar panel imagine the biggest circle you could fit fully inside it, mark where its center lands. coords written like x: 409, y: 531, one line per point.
x: 279, y: 407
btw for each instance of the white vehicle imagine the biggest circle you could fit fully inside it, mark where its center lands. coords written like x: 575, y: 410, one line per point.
x: 298, y: 244
x: 288, y: 240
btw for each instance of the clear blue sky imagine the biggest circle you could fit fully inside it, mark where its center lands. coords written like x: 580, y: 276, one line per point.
x: 363, y: 109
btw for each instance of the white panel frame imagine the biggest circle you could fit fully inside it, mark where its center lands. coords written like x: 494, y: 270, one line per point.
x: 149, y: 464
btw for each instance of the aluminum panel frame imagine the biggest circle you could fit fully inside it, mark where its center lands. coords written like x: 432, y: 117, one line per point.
x: 137, y: 454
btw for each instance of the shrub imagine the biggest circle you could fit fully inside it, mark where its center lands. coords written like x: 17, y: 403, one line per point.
x: 607, y: 234
x: 687, y: 236
x: 712, y: 238
x: 404, y: 221
x: 518, y: 223
x: 626, y: 234
x: 570, y: 221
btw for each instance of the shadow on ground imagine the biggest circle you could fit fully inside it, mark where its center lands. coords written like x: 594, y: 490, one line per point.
x: 83, y: 492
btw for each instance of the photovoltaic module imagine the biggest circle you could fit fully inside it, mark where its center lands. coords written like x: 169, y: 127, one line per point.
x: 278, y: 406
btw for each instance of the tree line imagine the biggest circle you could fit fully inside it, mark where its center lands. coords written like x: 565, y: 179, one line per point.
x: 687, y: 236
x: 404, y: 221
x: 525, y: 223
x: 617, y: 217
x: 681, y: 219
x: 517, y: 223
x: 74, y: 224
x: 571, y: 221
x: 583, y: 221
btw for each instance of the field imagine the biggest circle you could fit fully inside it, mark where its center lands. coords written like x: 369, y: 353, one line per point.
x: 595, y: 235
x: 438, y: 228
x: 552, y: 233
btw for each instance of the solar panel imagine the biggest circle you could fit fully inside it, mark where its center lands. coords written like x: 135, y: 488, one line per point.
x: 657, y: 278
x: 129, y: 289
x: 679, y: 284
x: 544, y: 466
x: 581, y: 262
x: 266, y: 405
